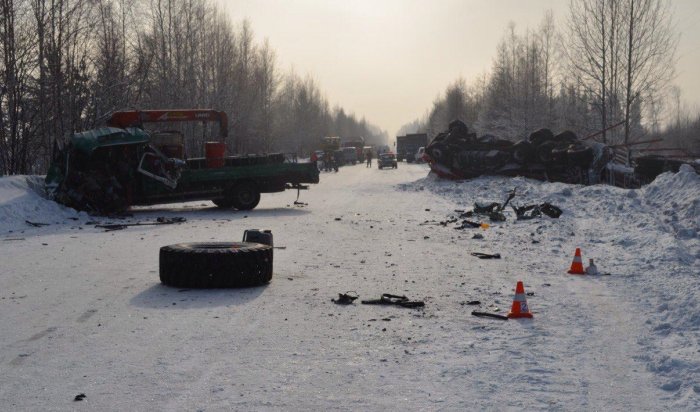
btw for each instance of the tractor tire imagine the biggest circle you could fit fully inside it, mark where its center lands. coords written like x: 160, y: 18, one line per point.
x: 215, y: 265
x: 245, y: 196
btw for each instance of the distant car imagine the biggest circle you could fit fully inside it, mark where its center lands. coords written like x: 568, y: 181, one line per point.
x: 387, y: 160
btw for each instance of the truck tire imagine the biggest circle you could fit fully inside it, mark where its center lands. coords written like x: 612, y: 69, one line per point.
x: 524, y: 152
x: 245, y: 196
x: 580, y: 155
x: 566, y: 137
x: 224, y: 202
x: 215, y: 265
x: 540, y: 136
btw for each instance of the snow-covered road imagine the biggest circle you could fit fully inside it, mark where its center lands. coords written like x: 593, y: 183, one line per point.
x: 83, y: 310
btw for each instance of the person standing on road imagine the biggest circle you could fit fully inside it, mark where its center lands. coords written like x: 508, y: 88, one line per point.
x: 369, y: 159
x: 314, y: 159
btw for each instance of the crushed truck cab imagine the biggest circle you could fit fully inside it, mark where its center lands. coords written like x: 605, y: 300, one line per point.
x: 109, y: 169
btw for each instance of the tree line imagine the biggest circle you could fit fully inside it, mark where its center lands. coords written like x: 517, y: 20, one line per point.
x: 66, y: 65
x: 609, y: 67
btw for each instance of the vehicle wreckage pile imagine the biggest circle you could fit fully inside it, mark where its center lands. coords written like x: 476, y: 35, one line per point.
x: 459, y: 154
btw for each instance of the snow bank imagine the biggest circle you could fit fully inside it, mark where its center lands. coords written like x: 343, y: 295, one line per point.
x: 649, y: 239
x: 24, y: 198
x: 677, y: 196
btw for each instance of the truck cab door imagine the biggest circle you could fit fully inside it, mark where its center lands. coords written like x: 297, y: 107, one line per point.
x: 159, y: 168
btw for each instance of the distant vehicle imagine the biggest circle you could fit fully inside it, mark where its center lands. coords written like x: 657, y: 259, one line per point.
x: 387, y: 160
x: 349, y: 155
x: 358, y: 143
x: 330, y: 143
x: 407, y: 146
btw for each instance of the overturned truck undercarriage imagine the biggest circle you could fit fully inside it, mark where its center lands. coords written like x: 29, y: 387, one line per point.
x: 459, y: 154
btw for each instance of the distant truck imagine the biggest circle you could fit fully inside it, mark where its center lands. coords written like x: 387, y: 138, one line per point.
x: 109, y: 169
x: 407, y: 146
x: 330, y: 143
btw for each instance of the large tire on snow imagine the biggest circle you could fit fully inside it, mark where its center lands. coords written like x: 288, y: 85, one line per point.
x: 215, y: 264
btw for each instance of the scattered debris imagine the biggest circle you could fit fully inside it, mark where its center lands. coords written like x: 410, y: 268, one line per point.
x: 468, y: 224
x: 478, y: 236
x: 346, y: 298
x: 79, y: 397
x: 591, y: 269
x: 536, y: 211
x: 471, y: 302
x: 36, y: 224
x: 489, y: 315
x: 486, y: 255
x: 159, y: 221
x: 399, y: 300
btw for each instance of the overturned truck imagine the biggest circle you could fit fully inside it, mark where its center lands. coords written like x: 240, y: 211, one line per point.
x: 109, y: 169
x: 459, y: 154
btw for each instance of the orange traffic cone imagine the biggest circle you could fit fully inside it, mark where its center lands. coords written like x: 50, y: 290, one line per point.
x: 519, y: 308
x: 577, y: 264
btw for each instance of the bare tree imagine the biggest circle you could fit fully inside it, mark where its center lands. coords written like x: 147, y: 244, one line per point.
x: 590, y: 48
x: 650, y: 53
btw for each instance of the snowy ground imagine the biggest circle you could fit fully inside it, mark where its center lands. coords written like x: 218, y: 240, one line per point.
x: 83, y: 310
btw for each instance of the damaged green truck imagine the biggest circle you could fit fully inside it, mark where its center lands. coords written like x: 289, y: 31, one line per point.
x: 109, y: 169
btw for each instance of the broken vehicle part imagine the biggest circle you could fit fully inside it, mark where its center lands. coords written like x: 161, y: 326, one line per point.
x: 489, y: 315
x: 346, y: 298
x: 486, y: 255
x: 159, y: 221
x: 399, y: 300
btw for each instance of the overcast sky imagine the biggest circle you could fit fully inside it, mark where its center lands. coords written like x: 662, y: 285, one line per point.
x: 389, y: 59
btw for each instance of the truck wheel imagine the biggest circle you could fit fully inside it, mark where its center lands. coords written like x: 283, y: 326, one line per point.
x: 215, y: 265
x: 223, y: 203
x: 245, y: 196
